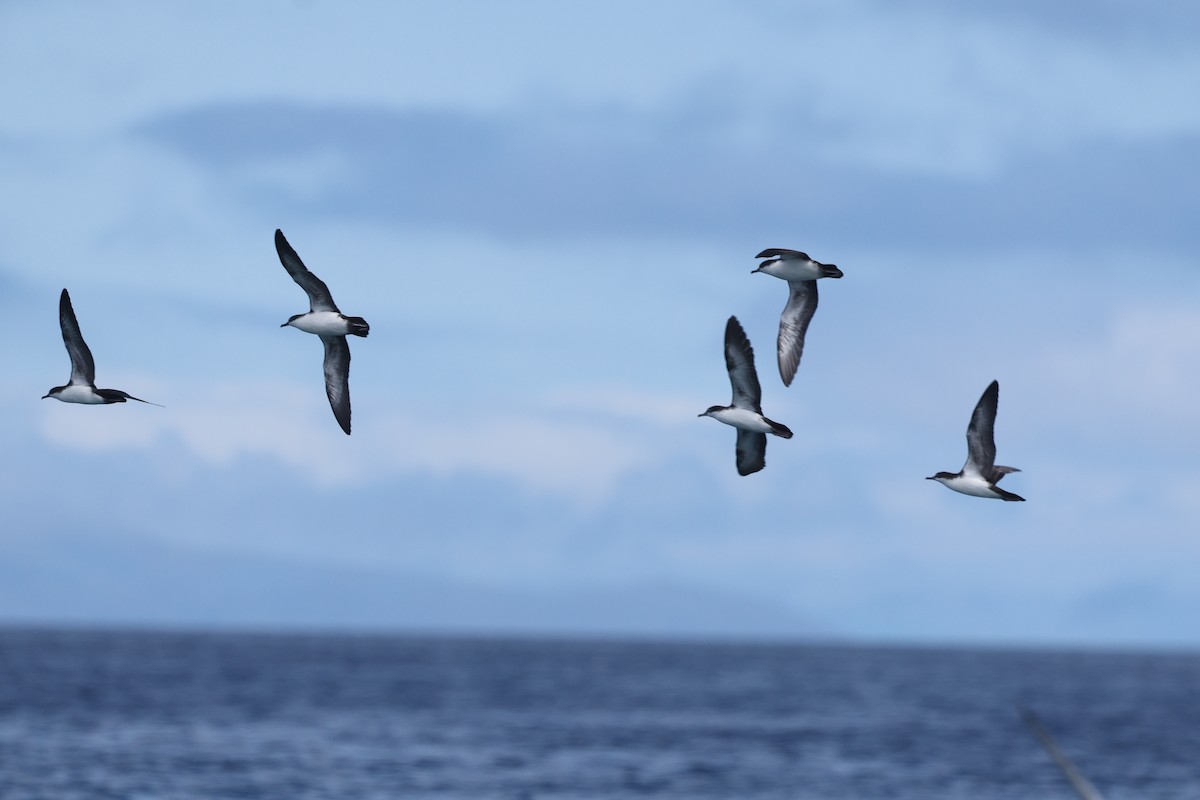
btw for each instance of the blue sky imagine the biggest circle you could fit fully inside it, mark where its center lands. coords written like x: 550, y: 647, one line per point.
x: 547, y: 211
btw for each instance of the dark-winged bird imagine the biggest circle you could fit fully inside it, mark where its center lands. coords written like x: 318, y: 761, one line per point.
x: 979, y: 475
x: 745, y: 411
x: 82, y: 386
x: 802, y: 274
x: 324, y: 319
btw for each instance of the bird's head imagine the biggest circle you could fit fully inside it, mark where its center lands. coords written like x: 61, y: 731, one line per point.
x: 710, y: 411
x: 831, y: 271
x: 57, y: 390
x: 941, y: 477
x: 291, y: 319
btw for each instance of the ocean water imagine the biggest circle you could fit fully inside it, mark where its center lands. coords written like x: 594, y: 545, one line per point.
x: 136, y: 716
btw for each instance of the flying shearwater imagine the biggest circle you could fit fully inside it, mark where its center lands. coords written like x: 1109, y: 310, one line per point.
x: 745, y: 411
x: 801, y: 273
x: 82, y: 386
x: 1083, y: 787
x: 324, y: 319
x: 979, y: 475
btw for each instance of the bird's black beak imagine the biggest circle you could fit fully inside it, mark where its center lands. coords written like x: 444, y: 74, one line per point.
x: 45, y: 396
x: 931, y: 477
x: 756, y: 269
x: 284, y: 325
x: 705, y: 414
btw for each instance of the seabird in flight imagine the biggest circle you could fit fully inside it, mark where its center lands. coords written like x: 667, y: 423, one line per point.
x: 324, y: 319
x: 801, y: 273
x: 82, y: 386
x: 745, y: 411
x: 979, y: 475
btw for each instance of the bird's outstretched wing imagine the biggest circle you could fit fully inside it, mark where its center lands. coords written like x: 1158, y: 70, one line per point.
x: 739, y: 362
x: 981, y: 444
x: 83, y: 368
x: 776, y: 252
x: 751, y: 451
x: 793, y: 325
x: 337, y: 378
x: 319, y: 298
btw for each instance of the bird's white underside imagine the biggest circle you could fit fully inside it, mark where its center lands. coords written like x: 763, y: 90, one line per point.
x: 793, y: 270
x: 322, y: 323
x: 79, y: 394
x: 973, y: 485
x: 742, y: 419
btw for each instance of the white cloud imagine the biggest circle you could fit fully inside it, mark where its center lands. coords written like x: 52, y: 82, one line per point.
x: 658, y: 408
x: 217, y: 425
x: 292, y: 424
x: 1137, y: 382
x: 578, y: 459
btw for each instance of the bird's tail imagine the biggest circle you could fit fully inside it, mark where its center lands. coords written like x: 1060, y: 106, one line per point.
x: 358, y: 326
x: 779, y: 429
x: 118, y: 396
x: 1009, y: 496
x: 830, y: 271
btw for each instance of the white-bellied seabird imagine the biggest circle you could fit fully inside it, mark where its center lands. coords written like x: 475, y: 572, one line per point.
x: 1083, y: 787
x: 979, y: 475
x: 745, y: 411
x: 82, y: 386
x: 324, y: 319
x: 801, y: 273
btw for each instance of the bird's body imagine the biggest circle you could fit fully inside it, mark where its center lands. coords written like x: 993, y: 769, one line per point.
x: 746, y: 420
x: 973, y: 485
x: 86, y: 395
x: 792, y: 265
x: 980, y: 474
x: 802, y: 273
x: 745, y: 410
x: 81, y: 388
x: 325, y: 320
x: 324, y: 323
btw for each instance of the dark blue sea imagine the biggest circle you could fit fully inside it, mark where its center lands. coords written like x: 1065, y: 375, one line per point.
x: 149, y: 716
